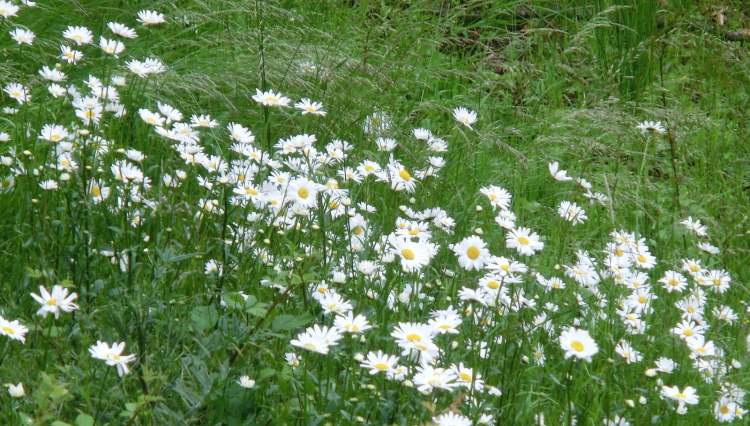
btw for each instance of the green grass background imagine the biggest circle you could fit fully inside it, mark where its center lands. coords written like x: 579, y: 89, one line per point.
x: 550, y: 80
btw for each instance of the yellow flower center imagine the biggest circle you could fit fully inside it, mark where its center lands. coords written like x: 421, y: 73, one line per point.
x: 303, y: 193
x: 472, y: 252
x: 687, y: 332
x: 724, y: 409
x: 407, y: 254
x: 405, y: 175
x: 8, y: 330
x: 466, y: 377
x: 381, y: 366
x: 577, y: 346
x: 52, y: 301
x: 522, y: 240
x: 413, y: 337
x: 493, y: 284
x: 95, y: 191
x: 358, y: 230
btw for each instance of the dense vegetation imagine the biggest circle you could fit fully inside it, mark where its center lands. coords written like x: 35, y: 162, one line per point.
x: 374, y: 212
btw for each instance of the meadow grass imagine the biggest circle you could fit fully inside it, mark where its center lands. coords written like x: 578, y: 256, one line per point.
x: 210, y: 253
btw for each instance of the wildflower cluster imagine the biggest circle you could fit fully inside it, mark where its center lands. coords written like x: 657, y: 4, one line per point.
x: 230, y: 242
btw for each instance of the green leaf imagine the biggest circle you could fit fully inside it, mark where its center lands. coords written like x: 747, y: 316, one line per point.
x: 286, y: 322
x: 234, y: 301
x: 258, y: 310
x: 204, y: 317
x: 84, y: 420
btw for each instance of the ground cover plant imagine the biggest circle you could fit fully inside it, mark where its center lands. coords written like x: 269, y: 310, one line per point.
x: 425, y: 212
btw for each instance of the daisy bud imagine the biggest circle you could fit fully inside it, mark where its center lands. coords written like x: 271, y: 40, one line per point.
x: 651, y: 372
x: 454, y: 344
x: 412, y: 200
x: 359, y: 357
x: 681, y: 409
x: 478, y: 231
x: 15, y: 391
x: 478, y: 208
x: 642, y: 400
x: 630, y: 403
x: 266, y: 241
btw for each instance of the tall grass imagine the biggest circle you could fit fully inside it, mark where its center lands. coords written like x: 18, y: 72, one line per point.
x: 204, y: 290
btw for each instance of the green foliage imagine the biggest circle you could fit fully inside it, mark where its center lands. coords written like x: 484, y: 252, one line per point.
x: 559, y: 81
